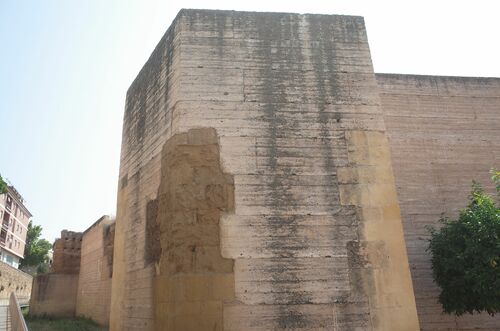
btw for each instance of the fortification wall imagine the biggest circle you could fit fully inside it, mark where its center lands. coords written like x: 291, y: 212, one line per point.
x: 96, y: 268
x: 14, y: 280
x: 82, y: 289
x: 67, y: 252
x: 147, y: 124
x: 315, y: 235
x: 444, y: 132
x: 54, y: 295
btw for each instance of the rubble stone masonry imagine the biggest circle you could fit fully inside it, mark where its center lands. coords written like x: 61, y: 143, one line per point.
x: 193, y: 281
x: 312, y: 238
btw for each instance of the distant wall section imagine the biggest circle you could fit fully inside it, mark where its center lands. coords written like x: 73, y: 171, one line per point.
x: 67, y: 253
x: 96, y: 268
x: 54, y: 295
x: 444, y: 132
x: 83, y: 288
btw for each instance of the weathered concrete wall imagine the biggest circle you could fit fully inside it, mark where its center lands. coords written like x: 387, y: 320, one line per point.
x: 67, y: 251
x: 96, y: 268
x: 444, y: 132
x: 14, y: 280
x: 316, y: 234
x: 146, y: 126
x: 54, y: 295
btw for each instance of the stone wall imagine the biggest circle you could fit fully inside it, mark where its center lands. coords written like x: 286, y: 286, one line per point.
x: 82, y: 289
x: 315, y: 230
x: 94, y: 284
x: 193, y: 281
x: 67, y: 251
x: 14, y: 280
x: 444, y: 132
x: 54, y: 295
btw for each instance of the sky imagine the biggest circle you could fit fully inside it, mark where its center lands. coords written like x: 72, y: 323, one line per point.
x: 65, y: 67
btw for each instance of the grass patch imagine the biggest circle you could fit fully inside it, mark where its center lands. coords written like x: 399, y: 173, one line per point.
x: 62, y: 324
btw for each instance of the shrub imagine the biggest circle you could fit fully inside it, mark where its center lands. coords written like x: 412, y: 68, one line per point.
x: 465, y: 256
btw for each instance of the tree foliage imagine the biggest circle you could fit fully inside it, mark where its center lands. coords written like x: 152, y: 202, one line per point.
x: 465, y: 256
x: 3, y: 186
x: 495, y: 177
x: 36, y: 249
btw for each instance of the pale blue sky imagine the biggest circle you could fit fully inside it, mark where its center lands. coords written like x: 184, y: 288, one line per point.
x: 65, y: 67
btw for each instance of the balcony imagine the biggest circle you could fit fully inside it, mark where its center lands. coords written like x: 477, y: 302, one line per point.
x: 3, y: 237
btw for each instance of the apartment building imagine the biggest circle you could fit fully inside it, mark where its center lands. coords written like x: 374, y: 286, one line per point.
x: 15, y: 218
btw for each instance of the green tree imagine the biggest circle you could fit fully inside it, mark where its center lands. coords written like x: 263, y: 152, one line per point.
x: 36, y: 249
x: 3, y: 186
x: 465, y: 256
x: 495, y: 177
